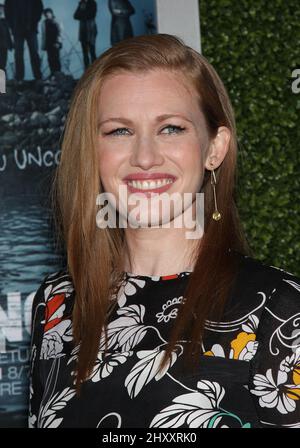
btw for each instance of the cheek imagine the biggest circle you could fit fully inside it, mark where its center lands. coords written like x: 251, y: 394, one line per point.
x: 190, y: 161
x: 107, y: 164
x: 193, y: 169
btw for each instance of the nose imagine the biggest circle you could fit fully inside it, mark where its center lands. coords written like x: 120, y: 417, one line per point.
x: 146, y: 153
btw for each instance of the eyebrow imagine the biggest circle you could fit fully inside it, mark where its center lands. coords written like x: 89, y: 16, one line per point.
x: 157, y: 119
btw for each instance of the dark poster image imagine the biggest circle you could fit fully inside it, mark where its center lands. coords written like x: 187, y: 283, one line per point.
x: 45, y: 46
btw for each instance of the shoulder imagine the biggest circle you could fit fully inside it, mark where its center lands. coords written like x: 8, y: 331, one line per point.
x: 53, y: 281
x: 274, y: 379
x: 254, y: 274
x: 55, y: 287
x: 278, y: 289
x: 52, y: 304
x: 260, y: 288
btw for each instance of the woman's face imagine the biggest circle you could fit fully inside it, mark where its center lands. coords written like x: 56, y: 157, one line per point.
x: 136, y: 140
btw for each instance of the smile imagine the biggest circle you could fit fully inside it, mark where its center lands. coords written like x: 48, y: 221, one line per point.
x: 149, y: 185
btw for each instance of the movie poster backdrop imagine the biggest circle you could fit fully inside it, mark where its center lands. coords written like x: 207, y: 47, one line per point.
x: 45, y: 48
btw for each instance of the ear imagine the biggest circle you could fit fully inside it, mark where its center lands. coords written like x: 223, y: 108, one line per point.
x: 218, y: 148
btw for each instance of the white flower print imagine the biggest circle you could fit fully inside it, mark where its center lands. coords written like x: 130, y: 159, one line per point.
x: 146, y: 369
x: 247, y: 353
x: 197, y: 409
x: 52, y: 344
x: 105, y: 364
x: 47, y: 417
x: 74, y: 354
x: 270, y: 394
x: 244, y: 346
x: 289, y: 362
x: 64, y: 287
x: 127, y: 331
x: 129, y: 288
x: 251, y: 325
x: 126, y: 369
x: 217, y: 350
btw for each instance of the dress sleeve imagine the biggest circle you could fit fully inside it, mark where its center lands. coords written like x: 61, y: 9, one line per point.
x: 275, y: 369
x: 37, y: 327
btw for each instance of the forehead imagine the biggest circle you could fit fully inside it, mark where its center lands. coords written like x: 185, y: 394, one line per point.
x: 154, y: 87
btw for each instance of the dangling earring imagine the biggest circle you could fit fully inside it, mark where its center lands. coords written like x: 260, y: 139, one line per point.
x: 216, y: 214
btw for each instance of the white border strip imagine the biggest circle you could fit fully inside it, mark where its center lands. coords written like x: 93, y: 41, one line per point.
x: 180, y: 18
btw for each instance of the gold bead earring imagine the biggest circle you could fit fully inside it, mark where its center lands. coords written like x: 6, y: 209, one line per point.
x: 216, y: 214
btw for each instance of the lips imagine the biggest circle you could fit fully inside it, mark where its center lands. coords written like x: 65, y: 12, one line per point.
x: 147, y: 183
x: 149, y: 176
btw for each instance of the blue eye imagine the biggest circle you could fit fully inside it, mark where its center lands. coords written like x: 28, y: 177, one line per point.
x: 177, y: 128
x: 115, y: 131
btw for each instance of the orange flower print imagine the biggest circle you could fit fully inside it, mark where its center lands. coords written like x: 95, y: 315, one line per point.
x: 242, y: 344
x: 294, y: 392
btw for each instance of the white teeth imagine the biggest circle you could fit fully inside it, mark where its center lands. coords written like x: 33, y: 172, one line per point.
x: 149, y: 185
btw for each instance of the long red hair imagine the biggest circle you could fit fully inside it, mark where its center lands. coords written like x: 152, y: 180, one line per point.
x: 94, y: 256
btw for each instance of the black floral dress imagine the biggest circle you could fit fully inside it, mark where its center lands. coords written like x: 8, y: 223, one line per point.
x: 248, y: 374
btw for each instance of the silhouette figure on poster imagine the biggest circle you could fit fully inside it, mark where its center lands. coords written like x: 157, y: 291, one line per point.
x: 149, y: 22
x: 23, y: 17
x: 6, y: 42
x: 121, y: 27
x: 86, y: 13
x: 51, y: 40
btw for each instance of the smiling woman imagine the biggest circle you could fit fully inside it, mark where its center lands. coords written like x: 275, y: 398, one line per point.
x: 173, y: 141
x: 145, y: 327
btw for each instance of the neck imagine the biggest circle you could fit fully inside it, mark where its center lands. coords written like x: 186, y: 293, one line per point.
x: 159, y: 251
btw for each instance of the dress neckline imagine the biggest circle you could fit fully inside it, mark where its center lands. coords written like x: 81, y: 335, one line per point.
x: 158, y: 277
